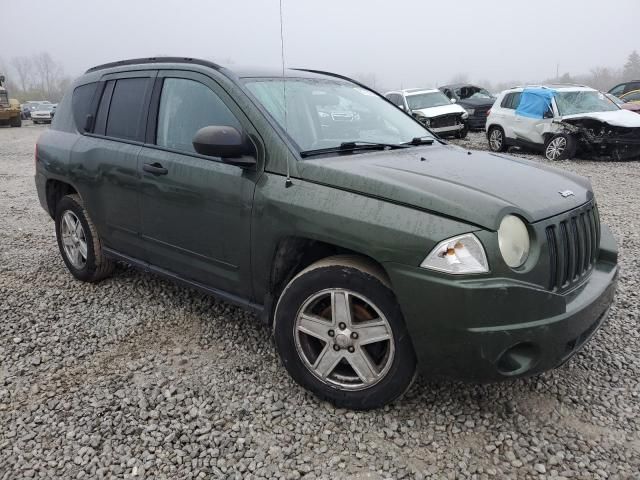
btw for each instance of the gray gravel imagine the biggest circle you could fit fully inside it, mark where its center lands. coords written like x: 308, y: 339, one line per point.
x: 138, y: 378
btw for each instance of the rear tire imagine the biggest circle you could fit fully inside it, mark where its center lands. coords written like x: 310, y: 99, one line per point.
x: 560, y: 147
x: 359, y: 356
x: 497, y: 139
x: 79, y: 242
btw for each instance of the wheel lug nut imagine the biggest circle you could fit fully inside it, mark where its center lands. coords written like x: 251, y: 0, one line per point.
x: 342, y: 326
x: 351, y: 349
x: 331, y: 333
x: 336, y: 348
x: 354, y: 335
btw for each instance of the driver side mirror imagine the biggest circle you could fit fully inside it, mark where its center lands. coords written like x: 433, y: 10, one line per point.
x: 227, y: 143
x: 548, y: 114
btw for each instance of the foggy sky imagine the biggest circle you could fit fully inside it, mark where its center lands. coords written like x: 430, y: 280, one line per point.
x: 404, y: 43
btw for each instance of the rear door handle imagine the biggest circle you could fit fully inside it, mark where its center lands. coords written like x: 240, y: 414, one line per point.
x: 155, y: 168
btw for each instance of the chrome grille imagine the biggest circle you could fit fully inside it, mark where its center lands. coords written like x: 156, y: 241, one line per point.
x: 573, y: 244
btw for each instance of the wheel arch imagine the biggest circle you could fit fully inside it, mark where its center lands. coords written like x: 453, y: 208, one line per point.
x: 55, y: 190
x: 293, y: 254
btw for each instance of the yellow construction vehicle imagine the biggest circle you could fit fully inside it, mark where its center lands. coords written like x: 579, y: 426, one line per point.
x: 9, y: 107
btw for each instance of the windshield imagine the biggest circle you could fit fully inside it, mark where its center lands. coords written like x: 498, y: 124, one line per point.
x: 44, y: 106
x: 584, y: 101
x: 323, y: 113
x: 614, y: 99
x: 418, y: 101
x: 472, y: 92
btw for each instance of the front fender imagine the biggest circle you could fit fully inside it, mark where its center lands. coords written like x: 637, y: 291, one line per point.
x: 381, y: 230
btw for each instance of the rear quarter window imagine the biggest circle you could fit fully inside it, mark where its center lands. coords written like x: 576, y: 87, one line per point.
x: 511, y: 100
x: 81, y: 103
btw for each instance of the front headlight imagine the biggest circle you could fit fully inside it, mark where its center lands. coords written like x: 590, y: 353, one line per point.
x: 470, y: 111
x: 458, y: 255
x: 465, y: 115
x: 513, y: 239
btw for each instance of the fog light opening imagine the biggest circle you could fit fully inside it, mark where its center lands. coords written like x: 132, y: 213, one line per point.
x: 518, y: 359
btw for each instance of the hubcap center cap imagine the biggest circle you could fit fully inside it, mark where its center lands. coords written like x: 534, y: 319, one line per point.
x: 343, y: 340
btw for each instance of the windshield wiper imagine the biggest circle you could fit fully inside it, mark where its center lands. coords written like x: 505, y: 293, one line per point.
x: 421, y: 141
x: 352, y: 147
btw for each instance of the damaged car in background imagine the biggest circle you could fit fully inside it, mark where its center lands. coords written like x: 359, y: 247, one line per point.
x: 561, y: 120
x: 433, y: 109
x: 475, y: 100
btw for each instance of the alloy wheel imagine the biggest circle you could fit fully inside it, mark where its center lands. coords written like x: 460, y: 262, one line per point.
x: 344, y: 339
x: 556, y: 148
x: 74, y: 239
x: 495, y: 140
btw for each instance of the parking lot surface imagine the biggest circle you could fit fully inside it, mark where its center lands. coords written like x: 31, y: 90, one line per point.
x: 138, y: 378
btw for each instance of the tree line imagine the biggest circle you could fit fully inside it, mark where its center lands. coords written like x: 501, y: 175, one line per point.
x: 600, y: 78
x: 35, y: 77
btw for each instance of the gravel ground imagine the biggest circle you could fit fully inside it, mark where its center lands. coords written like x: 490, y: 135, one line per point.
x: 138, y: 378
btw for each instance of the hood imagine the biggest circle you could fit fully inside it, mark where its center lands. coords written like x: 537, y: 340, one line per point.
x: 476, y: 102
x: 617, y: 118
x: 475, y: 187
x: 441, y: 110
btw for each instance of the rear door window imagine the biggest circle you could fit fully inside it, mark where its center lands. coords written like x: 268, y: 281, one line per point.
x: 127, y: 115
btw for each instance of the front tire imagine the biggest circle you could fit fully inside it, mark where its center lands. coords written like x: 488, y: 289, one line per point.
x: 461, y: 134
x: 560, y: 147
x: 17, y: 121
x: 340, y: 334
x: 78, y: 241
x: 497, y: 139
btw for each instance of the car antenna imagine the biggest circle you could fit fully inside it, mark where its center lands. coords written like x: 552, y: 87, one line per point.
x: 288, y: 182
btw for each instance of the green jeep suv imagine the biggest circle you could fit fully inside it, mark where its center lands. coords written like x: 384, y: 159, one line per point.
x: 372, y: 248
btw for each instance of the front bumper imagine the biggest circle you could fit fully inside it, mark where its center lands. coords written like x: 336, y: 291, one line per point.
x: 477, y: 122
x: 450, y: 130
x: 485, y: 330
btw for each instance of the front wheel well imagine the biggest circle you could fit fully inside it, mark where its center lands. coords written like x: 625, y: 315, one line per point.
x: 294, y: 254
x: 55, y: 190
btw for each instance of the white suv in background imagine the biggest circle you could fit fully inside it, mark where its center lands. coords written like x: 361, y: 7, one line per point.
x: 559, y: 120
x: 432, y: 108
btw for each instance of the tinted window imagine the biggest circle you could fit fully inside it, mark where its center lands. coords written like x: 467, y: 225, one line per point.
x: 185, y: 107
x: 617, y: 91
x: 103, y: 108
x: 631, y: 97
x: 126, y: 109
x: 81, y: 103
x: 511, y: 100
x: 632, y: 86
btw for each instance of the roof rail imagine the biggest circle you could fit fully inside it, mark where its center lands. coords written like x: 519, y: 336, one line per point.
x: 142, y: 61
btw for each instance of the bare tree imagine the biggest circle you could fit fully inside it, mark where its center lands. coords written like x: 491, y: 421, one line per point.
x: 24, y: 69
x: 632, y: 67
x: 49, y: 72
x: 601, y: 78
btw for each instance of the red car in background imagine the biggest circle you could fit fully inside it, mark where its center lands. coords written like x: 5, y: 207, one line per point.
x: 634, y: 107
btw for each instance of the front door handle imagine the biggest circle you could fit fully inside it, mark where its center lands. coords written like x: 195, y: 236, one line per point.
x: 155, y: 168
